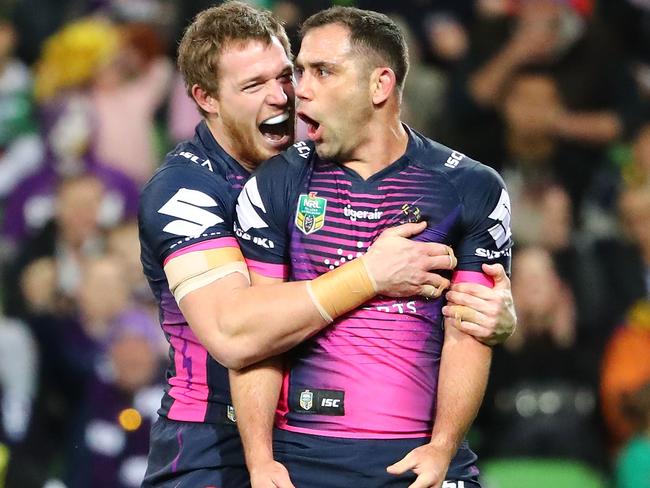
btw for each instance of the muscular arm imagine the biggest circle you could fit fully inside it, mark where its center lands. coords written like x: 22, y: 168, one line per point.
x: 240, y: 325
x: 255, y: 391
x: 464, y: 370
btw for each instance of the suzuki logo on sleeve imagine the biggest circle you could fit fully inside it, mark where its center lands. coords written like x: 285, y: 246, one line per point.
x: 189, y: 206
x: 500, y: 232
x: 248, y: 203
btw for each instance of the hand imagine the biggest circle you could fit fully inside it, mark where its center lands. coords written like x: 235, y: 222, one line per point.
x: 270, y: 475
x: 488, y: 314
x: 429, y: 462
x: 401, y: 267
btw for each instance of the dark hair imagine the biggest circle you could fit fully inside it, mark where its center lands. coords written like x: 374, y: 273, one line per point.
x: 215, y: 29
x: 375, y: 36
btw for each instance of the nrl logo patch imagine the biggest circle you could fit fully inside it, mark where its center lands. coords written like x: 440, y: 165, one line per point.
x: 306, y: 399
x: 310, y: 215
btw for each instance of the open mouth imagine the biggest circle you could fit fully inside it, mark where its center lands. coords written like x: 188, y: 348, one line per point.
x: 277, y: 129
x: 314, y: 131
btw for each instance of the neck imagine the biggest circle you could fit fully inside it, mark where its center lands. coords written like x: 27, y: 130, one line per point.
x: 219, y: 133
x: 384, y: 144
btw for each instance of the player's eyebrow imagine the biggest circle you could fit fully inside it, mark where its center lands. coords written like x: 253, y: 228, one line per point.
x: 316, y: 64
x: 287, y: 70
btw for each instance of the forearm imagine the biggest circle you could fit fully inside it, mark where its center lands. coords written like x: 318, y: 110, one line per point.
x: 589, y: 127
x: 486, y: 85
x: 255, y: 392
x: 265, y: 320
x: 464, y: 370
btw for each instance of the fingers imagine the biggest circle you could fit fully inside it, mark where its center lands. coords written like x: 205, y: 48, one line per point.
x: 482, y: 304
x: 405, y: 230
x: 439, y: 262
x: 477, y: 331
x: 424, y: 480
x: 405, y: 464
x: 459, y: 315
x: 498, y: 274
x: 434, y: 286
x: 474, y: 289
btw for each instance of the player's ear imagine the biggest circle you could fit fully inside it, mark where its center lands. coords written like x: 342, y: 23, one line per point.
x: 204, y: 100
x: 382, y: 84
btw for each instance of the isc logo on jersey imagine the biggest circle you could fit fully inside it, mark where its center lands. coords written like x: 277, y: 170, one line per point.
x: 189, y: 207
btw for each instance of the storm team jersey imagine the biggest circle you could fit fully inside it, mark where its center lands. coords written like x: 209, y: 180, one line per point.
x: 188, y: 206
x: 373, y: 373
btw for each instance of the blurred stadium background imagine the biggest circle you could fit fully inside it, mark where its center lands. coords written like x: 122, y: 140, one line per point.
x: 555, y: 94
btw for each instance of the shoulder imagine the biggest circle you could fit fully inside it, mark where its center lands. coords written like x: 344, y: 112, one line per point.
x: 464, y: 173
x: 288, y: 166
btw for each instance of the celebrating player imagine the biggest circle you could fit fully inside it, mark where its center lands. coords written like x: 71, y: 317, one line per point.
x: 387, y: 385
x: 236, y: 64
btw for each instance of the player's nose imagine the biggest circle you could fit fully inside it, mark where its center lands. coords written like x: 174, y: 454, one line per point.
x: 277, y: 94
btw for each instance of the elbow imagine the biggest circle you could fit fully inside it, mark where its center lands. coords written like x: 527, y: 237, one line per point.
x: 233, y: 353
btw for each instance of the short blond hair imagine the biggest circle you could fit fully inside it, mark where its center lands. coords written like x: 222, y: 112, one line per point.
x: 215, y: 29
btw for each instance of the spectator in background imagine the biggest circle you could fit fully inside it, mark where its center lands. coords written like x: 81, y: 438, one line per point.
x: 633, y: 465
x: 630, y: 20
x: 625, y: 368
x: 127, y: 92
x: 121, y: 401
x: 70, y: 60
x: 541, y: 401
x: 593, y: 101
x: 21, y: 150
x: 73, y: 235
x: 122, y: 242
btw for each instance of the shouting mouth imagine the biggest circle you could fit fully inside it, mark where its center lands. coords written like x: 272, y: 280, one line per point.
x: 314, y: 129
x: 278, y: 130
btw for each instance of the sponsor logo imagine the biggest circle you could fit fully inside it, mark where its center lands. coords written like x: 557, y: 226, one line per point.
x: 313, y: 401
x: 303, y: 149
x: 264, y: 242
x: 355, y: 215
x: 500, y: 232
x: 189, y: 206
x: 306, y: 400
x: 411, y: 213
x: 197, y: 160
x: 489, y: 254
x: 310, y: 214
x: 453, y: 484
x: 454, y: 159
x: 230, y: 413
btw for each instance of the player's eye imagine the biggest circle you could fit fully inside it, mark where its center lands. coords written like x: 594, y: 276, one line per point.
x: 322, y: 72
x: 298, y: 72
x: 252, y: 87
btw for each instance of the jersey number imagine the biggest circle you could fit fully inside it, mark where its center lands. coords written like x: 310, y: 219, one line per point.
x: 500, y: 232
x: 188, y: 205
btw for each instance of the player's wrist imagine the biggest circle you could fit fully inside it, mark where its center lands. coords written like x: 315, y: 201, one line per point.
x: 343, y: 289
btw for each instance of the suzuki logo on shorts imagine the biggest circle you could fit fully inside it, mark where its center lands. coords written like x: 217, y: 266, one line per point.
x: 189, y: 206
x: 453, y: 484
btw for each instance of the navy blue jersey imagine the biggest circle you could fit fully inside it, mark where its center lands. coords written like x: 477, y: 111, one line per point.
x: 188, y: 206
x: 373, y: 374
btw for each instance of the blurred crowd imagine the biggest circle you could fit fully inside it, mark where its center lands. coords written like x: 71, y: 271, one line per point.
x: 555, y: 94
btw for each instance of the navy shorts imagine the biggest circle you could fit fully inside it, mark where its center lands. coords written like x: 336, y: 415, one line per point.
x: 332, y: 462
x: 195, y: 455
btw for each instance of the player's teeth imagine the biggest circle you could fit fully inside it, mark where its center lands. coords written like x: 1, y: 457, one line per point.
x: 278, y: 119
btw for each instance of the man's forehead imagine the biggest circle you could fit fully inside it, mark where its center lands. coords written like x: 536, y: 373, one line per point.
x: 329, y: 43
x: 243, y: 57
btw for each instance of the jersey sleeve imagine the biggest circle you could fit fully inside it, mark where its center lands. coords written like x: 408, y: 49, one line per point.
x: 261, y: 218
x: 485, y: 236
x: 183, y: 210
